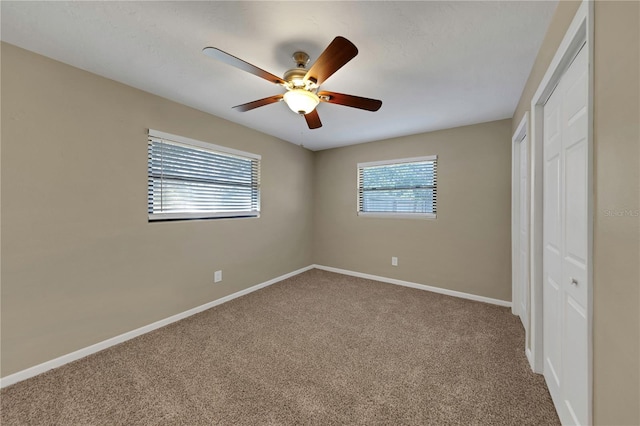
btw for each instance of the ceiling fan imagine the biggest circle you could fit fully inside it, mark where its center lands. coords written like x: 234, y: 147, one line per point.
x: 302, y: 84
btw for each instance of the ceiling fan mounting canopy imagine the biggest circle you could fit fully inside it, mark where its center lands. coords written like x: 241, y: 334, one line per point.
x: 302, y: 84
x: 300, y: 58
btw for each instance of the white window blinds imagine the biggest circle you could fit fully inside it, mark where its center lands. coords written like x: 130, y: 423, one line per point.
x: 405, y: 187
x: 189, y: 179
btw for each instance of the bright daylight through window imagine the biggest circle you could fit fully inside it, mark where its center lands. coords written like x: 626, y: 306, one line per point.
x: 398, y: 188
x: 189, y: 179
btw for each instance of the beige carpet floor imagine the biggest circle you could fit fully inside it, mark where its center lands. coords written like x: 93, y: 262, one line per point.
x: 318, y: 349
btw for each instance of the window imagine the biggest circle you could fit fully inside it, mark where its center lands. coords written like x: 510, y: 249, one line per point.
x: 398, y: 188
x: 189, y: 179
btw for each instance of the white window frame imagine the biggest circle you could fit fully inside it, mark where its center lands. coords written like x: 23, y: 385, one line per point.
x: 154, y: 217
x: 394, y: 215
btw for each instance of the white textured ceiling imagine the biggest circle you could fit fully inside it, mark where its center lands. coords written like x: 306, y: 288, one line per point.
x: 434, y: 65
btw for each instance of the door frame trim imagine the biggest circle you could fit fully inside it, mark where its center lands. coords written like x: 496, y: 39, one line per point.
x: 580, y: 32
x: 520, y: 133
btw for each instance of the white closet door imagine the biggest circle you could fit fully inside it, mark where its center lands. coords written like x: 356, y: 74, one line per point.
x: 552, y: 244
x: 565, y: 243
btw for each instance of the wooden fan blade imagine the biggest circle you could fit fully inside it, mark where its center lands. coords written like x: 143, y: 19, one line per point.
x: 335, y: 56
x: 260, y: 102
x: 313, y: 120
x: 350, y: 100
x: 239, y: 63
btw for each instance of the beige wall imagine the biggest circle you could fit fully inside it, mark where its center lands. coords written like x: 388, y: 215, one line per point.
x: 616, y: 292
x: 467, y: 248
x: 565, y: 11
x: 80, y: 262
x: 616, y: 314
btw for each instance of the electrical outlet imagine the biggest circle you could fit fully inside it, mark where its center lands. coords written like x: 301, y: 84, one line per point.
x: 394, y: 261
x: 217, y: 276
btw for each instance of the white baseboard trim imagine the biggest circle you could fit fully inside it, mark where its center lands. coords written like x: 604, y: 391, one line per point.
x: 418, y: 286
x: 81, y: 353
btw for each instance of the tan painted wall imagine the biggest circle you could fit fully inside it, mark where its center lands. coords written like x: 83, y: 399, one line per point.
x: 467, y: 248
x: 80, y: 262
x: 616, y: 292
x: 565, y: 11
x: 616, y: 315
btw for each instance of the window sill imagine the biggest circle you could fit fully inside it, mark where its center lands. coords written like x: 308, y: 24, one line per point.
x: 170, y: 217
x: 399, y: 215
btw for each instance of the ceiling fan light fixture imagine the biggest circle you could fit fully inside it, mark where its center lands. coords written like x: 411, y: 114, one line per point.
x: 301, y: 101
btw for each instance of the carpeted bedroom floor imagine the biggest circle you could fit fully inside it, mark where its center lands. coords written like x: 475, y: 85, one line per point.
x: 319, y: 348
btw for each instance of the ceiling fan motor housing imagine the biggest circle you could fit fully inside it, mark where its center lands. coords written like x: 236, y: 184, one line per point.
x: 295, y: 76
